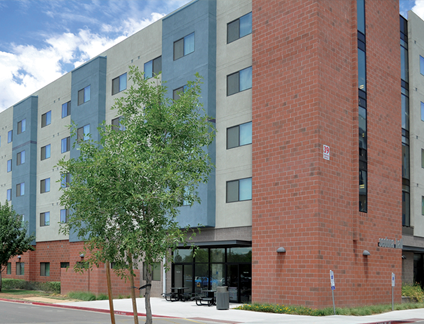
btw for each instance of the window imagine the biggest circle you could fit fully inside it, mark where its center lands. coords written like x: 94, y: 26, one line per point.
x: 361, y: 69
x: 155, y: 269
x: 422, y: 158
x: 9, y: 136
x: 65, y: 179
x: 64, y: 265
x: 45, y: 269
x: 20, y: 268
x: 153, y: 67
x: 65, y: 144
x: 239, y: 135
x: 45, y: 152
x: 9, y: 268
x: 64, y: 215
x: 46, y: 119
x: 239, y: 81
x: 9, y: 194
x: 422, y: 205
x: 20, y: 189
x: 21, y: 126
x: 45, y: 185
x: 184, y: 46
x: 83, y: 95
x: 66, y: 109
x: 119, y: 84
x: 422, y: 65
x: 360, y: 14
x: 82, y: 133
x: 239, y: 28
x: 116, y: 124
x: 9, y: 165
x: 239, y: 190
x: 422, y: 111
x: 45, y: 219
x: 20, y: 158
x: 176, y: 92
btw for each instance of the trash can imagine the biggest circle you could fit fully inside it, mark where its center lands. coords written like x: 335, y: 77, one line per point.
x: 222, y: 298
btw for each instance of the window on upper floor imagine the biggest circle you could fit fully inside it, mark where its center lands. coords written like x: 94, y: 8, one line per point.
x: 153, y: 67
x: 239, y: 81
x: 45, y: 185
x: 176, y: 92
x: 9, y: 165
x: 83, y: 95
x: 239, y: 28
x: 239, y: 135
x: 66, y: 109
x: 21, y: 126
x: 20, y: 268
x: 422, y: 111
x: 45, y: 219
x: 422, y: 65
x: 46, y: 119
x: 184, y: 46
x: 65, y: 144
x: 65, y: 179
x: 9, y: 136
x: 83, y: 133
x: 20, y: 189
x: 45, y: 269
x: 9, y: 194
x: 45, y: 152
x: 64, y: 215
x: 20, y: 158
x: 116, y: 124
x: 119, y: 84
x: 239, y: 190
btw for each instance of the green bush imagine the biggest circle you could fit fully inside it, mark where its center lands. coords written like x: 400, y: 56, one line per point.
x: 50, y: 286
x: 14, y: 284
x: 102, y: 297
x: 82, y: 295
x: 413, y: 291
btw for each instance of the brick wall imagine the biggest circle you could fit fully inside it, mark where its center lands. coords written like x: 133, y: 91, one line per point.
x: 304, y: 95
x: 408, y: 268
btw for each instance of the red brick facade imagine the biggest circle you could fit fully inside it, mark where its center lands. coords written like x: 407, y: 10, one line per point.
x: 304, y: 96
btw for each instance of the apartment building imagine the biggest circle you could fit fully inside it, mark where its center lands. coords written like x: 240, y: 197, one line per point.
x: 289, y: 84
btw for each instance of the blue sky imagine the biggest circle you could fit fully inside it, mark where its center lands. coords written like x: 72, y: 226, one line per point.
x: 41, y: 40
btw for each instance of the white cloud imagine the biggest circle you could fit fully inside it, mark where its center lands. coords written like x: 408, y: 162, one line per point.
x: 25, y: 69
x: 419, y: 8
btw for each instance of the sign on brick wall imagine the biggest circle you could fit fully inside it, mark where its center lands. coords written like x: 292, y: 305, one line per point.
x: 326, y: 152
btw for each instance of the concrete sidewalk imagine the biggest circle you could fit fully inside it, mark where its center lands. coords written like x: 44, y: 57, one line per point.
x: 204, y: 314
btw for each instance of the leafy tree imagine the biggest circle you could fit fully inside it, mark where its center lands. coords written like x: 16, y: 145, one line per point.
x: 125, y: 190
x: 13, y: 236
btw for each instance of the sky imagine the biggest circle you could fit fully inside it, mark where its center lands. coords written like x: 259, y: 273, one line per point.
x: 41, y: 40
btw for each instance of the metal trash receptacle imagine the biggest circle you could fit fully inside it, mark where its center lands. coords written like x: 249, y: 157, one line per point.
x: 222, y: 298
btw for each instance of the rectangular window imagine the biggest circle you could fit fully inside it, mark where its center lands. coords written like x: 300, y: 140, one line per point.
x: 362, y: 188
x: 65, y: 144
x: 83, y: 95
x: 64, y: 215
x: 176, y: 92
x: 65, y: 179
x: 360, y: 15
x: 9, y: 136
x: 45, y: 269
x: 405, y: 112
x: 64, y: 265
x: 153, y: 67
x: 404, y: 66
x: 361, y: 70
x: 21, y: 126
x: 20, y: 268
x: 119, y: 84
x: 46, y: 119
x: 422, y: 158
x: 422, y: 65
x: 422, y: 111
x: 9, y: 165
x: 405, y: 206
x: 66, y: 109
x: 45, y: 185
x: 405, y: 161
x: 155, y: 269
x: 20, y: 158
x: 239, y: 135
x: 239, y: 81
x: 45, y: 219
x: 9, y: 268
x: 116, y: 124
x: 9, y: 194
x: 20, y: 189
x: 184, y: 46
x: 239, y: 28
x: 239, y: 190
x: 45, y: 152
x: 83, y: 133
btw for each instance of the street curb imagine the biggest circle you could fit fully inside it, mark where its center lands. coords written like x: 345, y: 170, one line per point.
x: 81, y: 308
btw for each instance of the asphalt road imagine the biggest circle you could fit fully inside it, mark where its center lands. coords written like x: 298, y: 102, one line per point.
x: 13, y: 313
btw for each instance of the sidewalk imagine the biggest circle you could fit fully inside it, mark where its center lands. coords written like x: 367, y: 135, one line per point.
x: 191, y: 311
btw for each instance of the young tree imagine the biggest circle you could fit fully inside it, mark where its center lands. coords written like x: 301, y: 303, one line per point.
x: 125, y: 190
x: 13, y: 236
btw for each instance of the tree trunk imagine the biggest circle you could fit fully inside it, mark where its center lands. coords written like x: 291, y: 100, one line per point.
x: 134, y: 303
x: 147, y: 295
x: 109, y: 292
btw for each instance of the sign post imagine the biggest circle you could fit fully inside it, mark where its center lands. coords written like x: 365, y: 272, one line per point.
x: 393, y: 286
x: 333, y: 287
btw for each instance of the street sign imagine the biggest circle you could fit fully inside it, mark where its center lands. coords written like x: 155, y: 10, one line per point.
x: 326, y: 152
x: 393, y: 279
x: 333, y: 285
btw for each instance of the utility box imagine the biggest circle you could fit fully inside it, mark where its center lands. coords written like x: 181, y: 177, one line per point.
x: 222, y: 298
